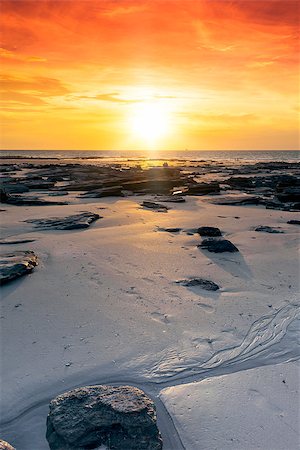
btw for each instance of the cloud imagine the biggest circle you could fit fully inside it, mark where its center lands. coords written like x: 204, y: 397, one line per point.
x: 13, y: 55
x: 45, y: 86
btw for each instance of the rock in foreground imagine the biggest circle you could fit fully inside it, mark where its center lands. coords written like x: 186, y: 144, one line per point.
x: 16, y: 264
x: 82, y: 220
x: 6, y: 446
x: 209, y: 231
x: 199, y: 282
x: 121, y: 418
x: 218, y: 246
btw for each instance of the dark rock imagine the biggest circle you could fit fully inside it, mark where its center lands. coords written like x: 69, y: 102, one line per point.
x: 267, y: 229
x: 16, y: 264
x: 218, y: 245
x: 19, y: 200
x: 172, y: 199
x: 114, y: 191
x: 289, y: 194
x: 153, y: 205
x: 15, y: 241
x: 209, y: 231
x: 240, y: 182
x: 74, y: 222
x: 244, y: 200
x: 172, y: 230
x: 294, y: 222
x: 203, y: 188
x: 204, y: 284
x: 14, y: 188
x: 58, y: 193
x: 6, y: 446
x: 122, y: 418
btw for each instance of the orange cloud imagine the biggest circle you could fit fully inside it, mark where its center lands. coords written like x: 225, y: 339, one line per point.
x: 232, y: 59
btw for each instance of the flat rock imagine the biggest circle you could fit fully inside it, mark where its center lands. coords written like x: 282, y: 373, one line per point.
x: 122, y: 418
x: 15, y: 241
x: 209, y: 231
x: 267, y: 229
x: 199, y: 282
x: 16, y: 264
x: 218, y: 246
x: 241, y: 200
x: 154, y: 205
x: 113, y: 191
x: 294, y: 222
x: 171, y: 230
x: 5, y: 445
x: 19, y: 200
x: 171, y: 199
x: 58, y: 193
x: 74, y: 222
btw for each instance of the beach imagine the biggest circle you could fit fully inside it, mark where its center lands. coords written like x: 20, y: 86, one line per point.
x: 112, y: 303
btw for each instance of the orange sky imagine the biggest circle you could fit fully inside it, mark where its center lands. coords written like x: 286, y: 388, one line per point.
x: 215, y: 74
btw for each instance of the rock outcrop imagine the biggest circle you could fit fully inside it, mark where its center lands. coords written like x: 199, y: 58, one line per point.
x: 74, y: 222
x: 16, y: 264
x: 122, y: 418
x: 5, y: 445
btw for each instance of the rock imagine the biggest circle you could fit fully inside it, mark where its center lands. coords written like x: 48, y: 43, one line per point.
x: 218, y: 246
x: 171, y: 199
x: 294, y: 222
x: 114, y: 191
x: 153, y: 205
x: 58, y: 193
x: 122, y: 418
x: 204, y: 188
x: 209, y: 231
x: 74, y: 222
x: 16, y: 264
x: 241, y: 200
x: 14, y: 187
x: 200, y: 282
x: 6, y: 446
x: 267, y: 229
x: 19, y: 200
x: 289, y: 194
x: 172, y: 230
x: 15, y: 241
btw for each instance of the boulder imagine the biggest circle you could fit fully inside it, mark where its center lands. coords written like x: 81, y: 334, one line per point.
x: 218, y: 245
x: 16, y: 264
x: 199, y: 282
x: 5, y: 445
x: 209, y: 231
x: 294, y: 222
x: 122, y: 418
x: 74, y: 222
x: 267, y: 229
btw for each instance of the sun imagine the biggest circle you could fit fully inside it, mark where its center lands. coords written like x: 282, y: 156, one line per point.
x: 150, y: 121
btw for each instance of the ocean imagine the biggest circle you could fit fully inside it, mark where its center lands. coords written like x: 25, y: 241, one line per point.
x: 185, y: 155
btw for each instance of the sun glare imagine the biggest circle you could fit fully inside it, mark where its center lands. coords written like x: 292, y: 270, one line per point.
x: 150, y: 121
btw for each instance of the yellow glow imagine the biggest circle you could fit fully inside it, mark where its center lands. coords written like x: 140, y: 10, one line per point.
x: 150, y: 121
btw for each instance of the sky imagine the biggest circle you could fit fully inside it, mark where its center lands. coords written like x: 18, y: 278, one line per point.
x: 157, y: 74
